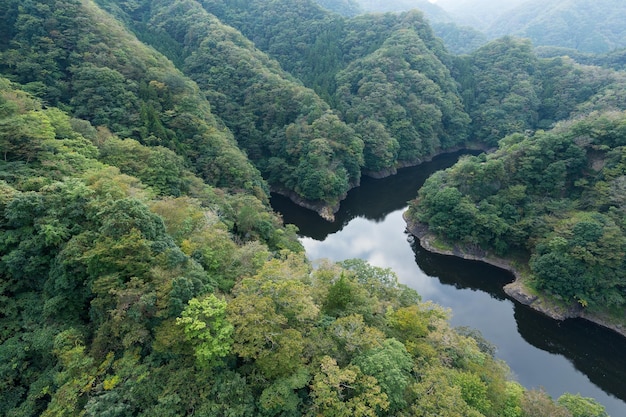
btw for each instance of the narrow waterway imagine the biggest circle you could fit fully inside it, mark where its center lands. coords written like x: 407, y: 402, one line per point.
x: 571, y: 356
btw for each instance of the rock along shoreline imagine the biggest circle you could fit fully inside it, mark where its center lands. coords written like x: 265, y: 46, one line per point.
x: 327, y: 211
x: 516, y: 289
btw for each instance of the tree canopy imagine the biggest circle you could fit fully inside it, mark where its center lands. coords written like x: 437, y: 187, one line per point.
x: 556, y: 194
x: 143, y: 273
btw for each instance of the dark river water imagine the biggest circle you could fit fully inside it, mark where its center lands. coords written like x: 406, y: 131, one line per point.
x: 570, y: 356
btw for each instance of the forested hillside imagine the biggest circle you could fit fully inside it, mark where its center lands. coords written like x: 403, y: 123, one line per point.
x: 119, y: 298
x: 587, y: 26
x: 459, y: 39
x: 595, y: 26
x: 388, y: 100
x: 539, y: 185
x: 557, y: 194
x: 142, y: 271
x: 71, y: 54
x: 507, y: 88
x: 291, y: 134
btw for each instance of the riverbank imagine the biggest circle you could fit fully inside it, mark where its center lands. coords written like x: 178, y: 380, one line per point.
x: 517, y: 289
x: 328, y: 210
x: 325, y: 210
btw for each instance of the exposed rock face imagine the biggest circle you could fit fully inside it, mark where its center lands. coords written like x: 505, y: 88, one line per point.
x: 516, y: 289
x: 325, y: 211
x: 381, y: 174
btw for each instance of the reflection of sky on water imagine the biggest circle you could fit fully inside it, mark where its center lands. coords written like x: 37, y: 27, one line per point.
x: 371, y: 241
x: 384, y: 244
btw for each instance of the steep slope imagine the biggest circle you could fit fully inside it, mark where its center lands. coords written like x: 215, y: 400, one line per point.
x: 585, y: 25
x: 73, y: 54
x: 403, y: 102
x: 368, y: 58
x: 298, y: 142
x: 558, y: 195
x: 291, y: 135
x: 312, y: 44
x: 507, y: 88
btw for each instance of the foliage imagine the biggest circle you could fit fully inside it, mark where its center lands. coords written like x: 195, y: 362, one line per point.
x: 142, y: 272
x: 119, y: 299
x: 538, y: 403
x: 362, y: 66
x: 82, y: 249
x: 508, y: 89
x: 406, y: 89
x: 587, y: 26
x: 556, y: 194
x: 581, y: 406
x: 206, y: 329
x: 72, y: 54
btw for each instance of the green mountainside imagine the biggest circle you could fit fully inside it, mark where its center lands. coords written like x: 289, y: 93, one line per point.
x: 508, y: 89
x: 360, y: 118
x: 539, y: 184
x: 73, y: 55
x: 459, y: 39
x: 585, y: 25
x: 343, y: 7
x: 143, y: 273
x: 557, y: 195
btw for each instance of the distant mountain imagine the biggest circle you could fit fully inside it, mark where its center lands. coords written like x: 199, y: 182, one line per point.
x: 595, y: 26
x: 478, y: 14
x: 432, y: 11
x: 343, y: 7
x: 589, y: 26
x: 616, y: 59
x: 458, y: 39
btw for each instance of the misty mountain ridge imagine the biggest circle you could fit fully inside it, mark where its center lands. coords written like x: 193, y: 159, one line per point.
x: 589, y: 26
x: 143, y: 271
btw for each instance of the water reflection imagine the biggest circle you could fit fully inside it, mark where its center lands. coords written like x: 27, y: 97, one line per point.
x: 595, y: 353
x: 572, y: 356
x: 372, y: 200
x: 461, y: 273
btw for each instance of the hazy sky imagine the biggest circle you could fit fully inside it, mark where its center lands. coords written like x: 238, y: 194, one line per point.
x: 480, y: 7
x: 494, y: 3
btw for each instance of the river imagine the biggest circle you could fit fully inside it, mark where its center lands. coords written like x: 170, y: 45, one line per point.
x: 570, y: 356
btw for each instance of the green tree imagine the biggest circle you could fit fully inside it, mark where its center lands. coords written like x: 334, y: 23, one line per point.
x: 345, y: 392
x: 391, y: 365
x: 206, y: 328
x: 581, y: 406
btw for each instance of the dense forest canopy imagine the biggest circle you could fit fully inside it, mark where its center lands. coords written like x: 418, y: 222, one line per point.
x: 584, y: 25
x: 122, y: 299
x: 143, y: 273
x: 313, y: 142
x: 557, y: 194
x: 587, y: 26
